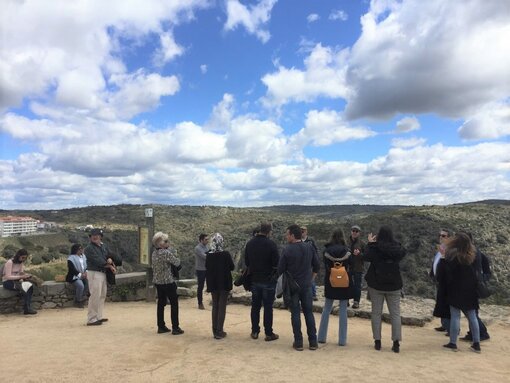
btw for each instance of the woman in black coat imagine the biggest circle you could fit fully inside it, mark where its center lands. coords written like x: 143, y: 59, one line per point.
x: 219, y: 266
x: 384, y: 283
x: 336, y: 252
x: 459, y: 281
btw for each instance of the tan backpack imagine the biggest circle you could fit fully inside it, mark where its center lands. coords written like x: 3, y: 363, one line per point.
x: 338, y: 276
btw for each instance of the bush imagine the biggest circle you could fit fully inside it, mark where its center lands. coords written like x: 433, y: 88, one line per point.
x: 37, y: 259
x: 26, y: 243
x: 9, y: 251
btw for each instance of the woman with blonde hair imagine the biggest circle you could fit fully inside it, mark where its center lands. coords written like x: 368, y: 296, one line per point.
x: 162, y: 261
x: 459, y: 280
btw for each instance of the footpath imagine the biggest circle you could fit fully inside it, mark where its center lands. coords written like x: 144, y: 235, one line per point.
x: 56, y: 346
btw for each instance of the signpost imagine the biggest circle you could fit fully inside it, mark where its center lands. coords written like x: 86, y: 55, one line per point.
x: 145, y: 241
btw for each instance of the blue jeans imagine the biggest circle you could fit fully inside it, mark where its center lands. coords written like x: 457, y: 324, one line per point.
x: 356, y: 279
x: 455, y: 324
x: 303, y: 300
x: 314, y: 289
x: 342, y: 321
x: 262, y: 294
x: 445, y: 323
x: 81, y: 286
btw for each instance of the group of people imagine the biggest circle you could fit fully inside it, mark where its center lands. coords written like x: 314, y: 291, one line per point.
x: 457, y: 269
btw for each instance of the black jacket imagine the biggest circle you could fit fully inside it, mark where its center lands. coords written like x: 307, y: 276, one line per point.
x: 384, y: 271
x: 218, y: 274
x: 458, y: 284
x: 261, y: 257
x: 338, y: 252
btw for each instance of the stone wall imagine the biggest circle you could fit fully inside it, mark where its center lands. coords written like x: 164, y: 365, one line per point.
x: 129, y: 287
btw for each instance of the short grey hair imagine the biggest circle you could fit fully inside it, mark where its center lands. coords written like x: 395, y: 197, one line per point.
x: 158, y: 238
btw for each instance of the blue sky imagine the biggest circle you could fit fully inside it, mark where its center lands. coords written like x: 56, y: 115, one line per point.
x: 253, y: 103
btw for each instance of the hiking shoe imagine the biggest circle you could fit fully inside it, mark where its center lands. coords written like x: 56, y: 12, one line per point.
x: 476, y: 347
x: 297, y: 346
x: 254, y: 335
x: 30, y: 312
x: 355, y: 305
x: 271, y: 337
x: 467, y: 338
x: 96, y: 323
x: 440, y: 329
x: 322, y: 341
x: 313, y: 346
x: 217, y: 336
x: 201, y: 306
x: 377, y: 345
x: 104, y: 320
x: 396, y: 347
x: 177, y: 331
x: 484, y: 337
x: 162, y: 330
x: 451, y: 346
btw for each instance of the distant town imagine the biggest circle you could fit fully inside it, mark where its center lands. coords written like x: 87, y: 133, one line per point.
x: 16, y: 226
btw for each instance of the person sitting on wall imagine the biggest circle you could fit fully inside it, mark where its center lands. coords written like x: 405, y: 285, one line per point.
x: 14, y: 278
x: 77, y: 274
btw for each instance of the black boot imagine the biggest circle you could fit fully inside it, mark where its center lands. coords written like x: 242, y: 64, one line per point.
x: 377, y: 345
x: 396, y: 346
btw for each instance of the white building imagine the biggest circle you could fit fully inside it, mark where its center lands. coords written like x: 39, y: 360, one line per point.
x: 17, y: 226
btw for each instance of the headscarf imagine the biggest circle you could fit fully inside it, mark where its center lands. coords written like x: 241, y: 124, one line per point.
x: 217, y: 242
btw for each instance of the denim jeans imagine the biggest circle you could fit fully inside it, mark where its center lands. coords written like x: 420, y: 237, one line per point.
x: 27, y: 296
x: 445, y: 323
x: 262, y: 294
x: 357, y: 280
x: 303, y: 300
x: 342, y: 321
x: 201, y: 282
x: 81, y: 286
x: 314, y: 289
x: 455, y: 324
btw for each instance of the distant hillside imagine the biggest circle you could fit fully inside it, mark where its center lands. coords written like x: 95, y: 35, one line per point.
x: 416, y: 227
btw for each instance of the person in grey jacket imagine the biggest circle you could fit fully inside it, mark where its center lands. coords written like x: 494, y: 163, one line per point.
x: 200, y: 254
x: 98, y: 261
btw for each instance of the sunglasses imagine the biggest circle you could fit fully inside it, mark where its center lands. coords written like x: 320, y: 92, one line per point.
x: 443, y: 235
x: 355, y: 231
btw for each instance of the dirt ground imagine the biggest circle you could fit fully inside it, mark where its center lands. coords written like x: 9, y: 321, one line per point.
x: 56, y: 346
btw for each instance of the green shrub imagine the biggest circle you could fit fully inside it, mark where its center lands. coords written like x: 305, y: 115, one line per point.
x: 37, y: 259
x: 9, y: 251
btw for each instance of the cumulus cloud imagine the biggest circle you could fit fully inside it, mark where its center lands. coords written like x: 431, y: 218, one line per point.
x: 408, y: 124
x: 490, y: 122
x: 312, y: 17
x: 408, y: 142
x: 253, y: 17
x: 35, y: 59
x: 323, y: 75
x: 338, y: 14
x: 417, y: 57
x: 327, y: 127
x: 203, y: 69
x: 169, y: 49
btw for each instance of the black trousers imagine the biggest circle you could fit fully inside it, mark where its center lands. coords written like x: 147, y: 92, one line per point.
x: 201, y: 283
x: 165, y: 293
x: 219, y: 308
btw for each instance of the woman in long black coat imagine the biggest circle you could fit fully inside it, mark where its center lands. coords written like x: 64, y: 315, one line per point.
x: 458, y: 278
x: 218, y: 264
x: 336, y: 251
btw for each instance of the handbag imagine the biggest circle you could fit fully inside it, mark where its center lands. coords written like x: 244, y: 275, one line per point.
x: 338, y: 276
x: 244, y: 279
x: 482, y: 289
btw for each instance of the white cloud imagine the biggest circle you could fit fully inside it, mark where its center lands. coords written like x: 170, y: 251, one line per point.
x: 324, y: 75
x: 408, y: 142
x: 203, y: 69
x: 490, y: 122
x: 43, y: 46
x: 323, y: 128
x: 25, y: 129
x: 169, y: 49
x: 408, y: 124
x: 449, y: 58
x: 312, y: 17
x: 253, y: 18
x: 338, y: 14
x: 222, y: 114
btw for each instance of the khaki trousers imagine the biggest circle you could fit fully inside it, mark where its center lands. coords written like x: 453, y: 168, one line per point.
x: 97, y: 289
